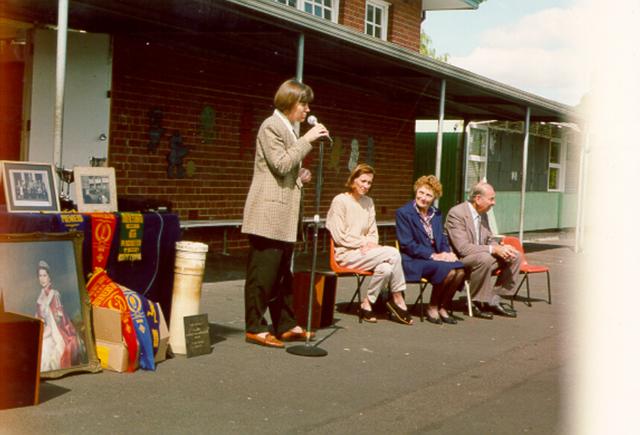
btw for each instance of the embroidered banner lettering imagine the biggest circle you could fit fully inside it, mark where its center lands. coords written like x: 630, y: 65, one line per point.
x: 143, y: 331
x: 131, y: 230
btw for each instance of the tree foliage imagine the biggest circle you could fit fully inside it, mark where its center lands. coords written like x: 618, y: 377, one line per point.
x: 427, y: 49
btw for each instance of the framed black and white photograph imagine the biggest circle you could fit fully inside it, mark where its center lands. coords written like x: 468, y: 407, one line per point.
x: 95, y: 189
x: 29, y: 187
x: 46, y: 282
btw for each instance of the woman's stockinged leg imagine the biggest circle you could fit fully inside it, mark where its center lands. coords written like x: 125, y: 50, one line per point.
x: 452, y: 284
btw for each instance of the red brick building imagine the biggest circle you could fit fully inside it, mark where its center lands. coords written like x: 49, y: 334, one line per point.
x: 210, y: 69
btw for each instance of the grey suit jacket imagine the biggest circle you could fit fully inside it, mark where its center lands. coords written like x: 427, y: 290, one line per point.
x: 272, y: 207
x: 461, y: 231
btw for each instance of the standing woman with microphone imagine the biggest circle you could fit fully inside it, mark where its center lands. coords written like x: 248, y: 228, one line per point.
x: 271, y: 216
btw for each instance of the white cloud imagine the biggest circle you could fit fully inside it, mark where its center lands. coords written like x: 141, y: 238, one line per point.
x: 541, y: 53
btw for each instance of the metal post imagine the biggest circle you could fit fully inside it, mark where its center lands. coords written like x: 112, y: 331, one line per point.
x: 300, y: 61
x: 523, y: 188
x: 443, y: 88
x: 61, y: 60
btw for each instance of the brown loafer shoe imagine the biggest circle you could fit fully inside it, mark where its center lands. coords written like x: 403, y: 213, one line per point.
x: 297, y: 336
x: 268, y: 340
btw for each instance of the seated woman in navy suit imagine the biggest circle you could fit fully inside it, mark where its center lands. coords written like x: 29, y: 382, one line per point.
x: 425, y: 249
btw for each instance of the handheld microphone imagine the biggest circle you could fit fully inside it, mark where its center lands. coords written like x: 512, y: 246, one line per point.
x: 312, y: 121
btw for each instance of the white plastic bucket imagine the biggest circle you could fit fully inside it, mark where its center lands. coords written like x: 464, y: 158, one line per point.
x: 187, y: 286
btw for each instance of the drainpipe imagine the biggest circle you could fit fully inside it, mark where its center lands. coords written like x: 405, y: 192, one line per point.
x: 300, y: 62
x: 525, y: 152
x: 443, y: 88
x: 61, y: 59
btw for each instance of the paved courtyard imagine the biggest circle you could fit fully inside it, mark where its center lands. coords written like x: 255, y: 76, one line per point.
x: 501, y: 376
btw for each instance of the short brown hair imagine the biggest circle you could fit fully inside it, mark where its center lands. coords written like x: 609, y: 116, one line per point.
x: 361, y: 168
x: 430, y: 181
x: 290, y: 93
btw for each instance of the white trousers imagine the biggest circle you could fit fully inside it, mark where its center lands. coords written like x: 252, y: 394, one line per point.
x: 386, y: 264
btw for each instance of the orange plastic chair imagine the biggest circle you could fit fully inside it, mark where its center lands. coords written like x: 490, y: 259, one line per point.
x: 526, y: 269
x: 344, y: 271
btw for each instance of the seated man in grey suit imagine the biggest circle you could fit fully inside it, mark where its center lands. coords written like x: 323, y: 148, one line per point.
x: 468, y: 229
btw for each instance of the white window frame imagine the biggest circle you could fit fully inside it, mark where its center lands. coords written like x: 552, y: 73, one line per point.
x: 300, y: 4
x: 383, y: 6
x: 476, y: 157
x: 560, y: 166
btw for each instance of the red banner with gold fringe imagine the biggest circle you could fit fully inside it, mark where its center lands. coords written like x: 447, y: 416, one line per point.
x: 103, y: 228
x: 103, y: 292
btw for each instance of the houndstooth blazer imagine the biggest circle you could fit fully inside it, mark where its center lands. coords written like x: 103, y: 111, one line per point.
x: 272, y: 207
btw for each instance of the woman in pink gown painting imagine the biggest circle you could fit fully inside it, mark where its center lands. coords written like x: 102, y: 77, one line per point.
x: 61, y: 345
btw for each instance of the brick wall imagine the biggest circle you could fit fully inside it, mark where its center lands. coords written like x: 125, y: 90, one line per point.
x: 405, y: 17
x: 241, y: 96
x: 404, y: 23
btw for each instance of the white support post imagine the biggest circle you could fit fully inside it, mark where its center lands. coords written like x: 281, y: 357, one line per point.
x: 523, y: 188
x: 61, y: 60
x: 443, y: 89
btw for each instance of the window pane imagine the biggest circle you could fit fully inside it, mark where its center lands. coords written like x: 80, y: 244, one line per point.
x: 478, y: 142
x: 475, y: 172
x: 327, y: 14
x: 317, y: 11
x: 308, y: 8
x: 377, y: 32
x: 369, y: 13
x: 554, y: 152
x: 378, y: 19
x: 327, y: 3
x: 553, y: 178
x: 369, y: 29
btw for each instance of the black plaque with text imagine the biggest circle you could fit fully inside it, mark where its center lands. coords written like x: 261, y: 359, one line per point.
x: 196, y: 334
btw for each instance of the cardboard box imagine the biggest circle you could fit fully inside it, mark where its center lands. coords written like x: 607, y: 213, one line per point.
x: 20, y: 351
x: 161, y: 353
x: 110, y: 345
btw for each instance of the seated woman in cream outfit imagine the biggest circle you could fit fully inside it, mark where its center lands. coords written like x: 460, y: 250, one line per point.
x: 352, y: 223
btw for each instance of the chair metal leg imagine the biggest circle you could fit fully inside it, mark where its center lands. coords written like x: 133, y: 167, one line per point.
x: 420, y: 299
x: 549, y: 287
x: 356, y: 294
x: 518, y: 290
x: 526, y: 278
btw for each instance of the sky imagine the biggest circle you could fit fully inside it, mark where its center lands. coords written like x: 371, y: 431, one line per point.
x: 534, y: 45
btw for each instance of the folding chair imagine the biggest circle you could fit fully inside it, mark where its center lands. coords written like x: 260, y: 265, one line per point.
x: 526, y: 269
x: 344, y: 271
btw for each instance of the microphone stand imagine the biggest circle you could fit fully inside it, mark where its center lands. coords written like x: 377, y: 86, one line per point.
x: 307, y: 349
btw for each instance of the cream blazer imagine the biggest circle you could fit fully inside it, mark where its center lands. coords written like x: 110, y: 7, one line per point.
x: 272, y: 207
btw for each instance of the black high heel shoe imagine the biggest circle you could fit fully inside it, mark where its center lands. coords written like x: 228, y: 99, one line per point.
x: 398, y: 313
x: 449, y: 320
x: 434, y: 320
x: 367, y: 315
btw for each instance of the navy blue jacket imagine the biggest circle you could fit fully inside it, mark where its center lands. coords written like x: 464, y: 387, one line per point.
x: 415, y: 246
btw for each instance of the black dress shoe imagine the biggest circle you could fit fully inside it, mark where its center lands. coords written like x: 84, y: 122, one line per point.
x: 508, y: 307
x: 434, y: 320
x: 500, y: 310
x: 477, y: 312
x: 449, y: 320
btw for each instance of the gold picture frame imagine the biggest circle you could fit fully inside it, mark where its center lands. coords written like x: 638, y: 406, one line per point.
x: 29, y: 187
x: 95, y: 189
x: 46, y: 282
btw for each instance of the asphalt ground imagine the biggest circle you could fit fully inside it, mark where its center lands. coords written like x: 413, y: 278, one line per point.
x: 500, y: 376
